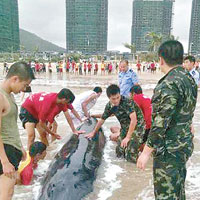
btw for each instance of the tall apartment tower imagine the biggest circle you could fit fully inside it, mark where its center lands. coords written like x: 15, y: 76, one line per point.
x: 194, y: 40
x: 9, y: 26
x: 87, y: 26
x: 150, y: 16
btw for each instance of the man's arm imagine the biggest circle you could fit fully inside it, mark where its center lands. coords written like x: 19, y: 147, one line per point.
x: 86, y: 102
x: 134, y: 78
x: 97, y: 115
x: 104, y: 116
x: 71, y: 124
x: 75, y: 113
x: 97, y: 127
x: 144, y: 157
x: 8, y: 168
x: 44, y: 126
x: 131, y: 129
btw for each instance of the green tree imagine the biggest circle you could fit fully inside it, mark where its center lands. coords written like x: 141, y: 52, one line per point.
x: 132, y: 47
x: 172, y: 37
x: 155, y: 40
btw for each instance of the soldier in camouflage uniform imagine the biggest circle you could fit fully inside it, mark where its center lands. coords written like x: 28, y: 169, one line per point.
x: 170, y: 137
x: 131, y: 120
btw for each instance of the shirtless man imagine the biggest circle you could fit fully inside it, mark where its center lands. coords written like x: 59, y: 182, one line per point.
x: 17, y: 79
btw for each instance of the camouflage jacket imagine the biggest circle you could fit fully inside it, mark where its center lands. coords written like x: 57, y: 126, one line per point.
x: 173, y: 103
x: 123, y: 111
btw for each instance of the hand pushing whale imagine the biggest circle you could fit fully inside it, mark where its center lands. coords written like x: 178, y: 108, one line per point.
x: 73, y: 170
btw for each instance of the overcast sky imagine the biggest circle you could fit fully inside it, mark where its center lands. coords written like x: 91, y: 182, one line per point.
x: 46, y: 18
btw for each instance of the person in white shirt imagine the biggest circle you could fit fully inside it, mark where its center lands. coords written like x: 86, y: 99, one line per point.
x: 189, y: 64
x: 84, y: 102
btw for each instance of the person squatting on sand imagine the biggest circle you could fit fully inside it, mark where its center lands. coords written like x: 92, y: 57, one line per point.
x: 12, y: 152
x: 170, y: 138
x: 131, y: 120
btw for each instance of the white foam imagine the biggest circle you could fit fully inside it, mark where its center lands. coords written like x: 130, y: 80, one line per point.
x: 109, y: 182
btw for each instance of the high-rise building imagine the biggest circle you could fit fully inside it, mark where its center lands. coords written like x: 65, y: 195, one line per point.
x: 150, y: 16
x: 9, y: 26
x: 194, y: 41
x: 87, y: 26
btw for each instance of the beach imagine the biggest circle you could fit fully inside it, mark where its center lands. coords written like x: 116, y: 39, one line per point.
x: 117, y: 179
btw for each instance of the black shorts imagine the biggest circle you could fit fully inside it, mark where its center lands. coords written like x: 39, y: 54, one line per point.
x: 25, y: 117
x: 14, y: 156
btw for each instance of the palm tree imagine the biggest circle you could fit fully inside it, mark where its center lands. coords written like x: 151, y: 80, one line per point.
x: 172, y: 37
x: 131, y: 47
x: 155, y: 39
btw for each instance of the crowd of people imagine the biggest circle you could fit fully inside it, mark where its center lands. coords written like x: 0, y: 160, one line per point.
x: 161, y: 126
x: 77, y: 68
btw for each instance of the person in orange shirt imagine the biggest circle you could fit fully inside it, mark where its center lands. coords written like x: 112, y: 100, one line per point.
x: 102, y: 68
x: 36, y: 153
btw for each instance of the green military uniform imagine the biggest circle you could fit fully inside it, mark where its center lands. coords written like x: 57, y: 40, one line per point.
x: 173, y: 102
x: 122, y: 112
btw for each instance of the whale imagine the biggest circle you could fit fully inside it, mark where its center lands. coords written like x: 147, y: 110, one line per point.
x: 73, y: 171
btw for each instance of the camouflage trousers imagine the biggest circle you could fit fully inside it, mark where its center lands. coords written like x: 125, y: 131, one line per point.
x: 169, y: 178
x: 131, y: 152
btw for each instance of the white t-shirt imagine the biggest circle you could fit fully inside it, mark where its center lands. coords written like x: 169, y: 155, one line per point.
x: 195, y: 75
x: 77, y: 104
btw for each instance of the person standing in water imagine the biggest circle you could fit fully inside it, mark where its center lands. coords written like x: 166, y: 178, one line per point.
x: 170, y: 138
x: 17, y: 79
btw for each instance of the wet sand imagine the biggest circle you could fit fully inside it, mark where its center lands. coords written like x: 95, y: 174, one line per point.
x: 117, y: 179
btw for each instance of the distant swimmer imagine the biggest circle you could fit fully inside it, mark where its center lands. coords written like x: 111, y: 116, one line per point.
x: 39, y: 107
x: 36, y: 153
x: 84, y: 102
x: 131, y: 120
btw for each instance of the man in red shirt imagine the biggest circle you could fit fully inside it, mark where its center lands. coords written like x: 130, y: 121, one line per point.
x: 153, y: 67
x: 89, y: 68
x: 145, y: 105
x: 37, y: 67
x: 96, y: 69
x: 67, y: 66
x: 85, y: 67
x: 138, y: 67
x: 52, y: 125
x: 39, y: 108
x: 73, y: 66
x: 36, y: 153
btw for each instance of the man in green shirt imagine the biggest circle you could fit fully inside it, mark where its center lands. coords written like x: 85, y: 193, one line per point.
x: 170, y: 137
x: 131, y: 120
x: 17, y: 79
